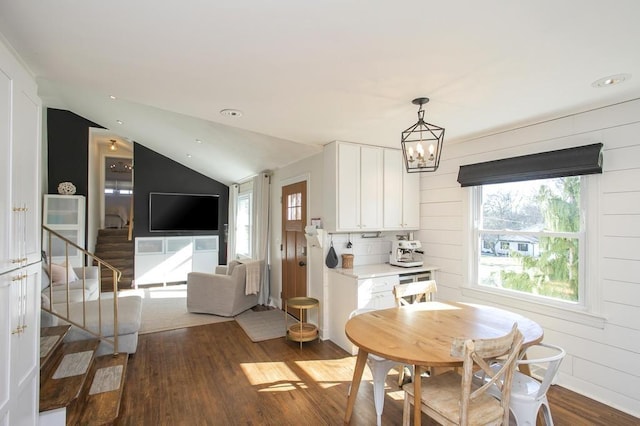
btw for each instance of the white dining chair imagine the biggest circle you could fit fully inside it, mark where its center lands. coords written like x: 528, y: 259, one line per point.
x: 528, y: 395
x: 379, y: 369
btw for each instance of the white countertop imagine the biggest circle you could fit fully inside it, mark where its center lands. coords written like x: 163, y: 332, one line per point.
x: 381, y: 270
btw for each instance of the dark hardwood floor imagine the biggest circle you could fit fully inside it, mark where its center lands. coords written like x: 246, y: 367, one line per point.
x: 214, y: 375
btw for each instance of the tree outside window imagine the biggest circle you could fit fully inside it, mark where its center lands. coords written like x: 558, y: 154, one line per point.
x: 530, y: 237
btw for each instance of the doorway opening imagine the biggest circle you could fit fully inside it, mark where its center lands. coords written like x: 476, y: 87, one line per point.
x: 118, y: 192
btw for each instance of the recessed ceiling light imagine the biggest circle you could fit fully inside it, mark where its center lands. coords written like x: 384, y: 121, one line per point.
x: 119, y: 122
x: 198, y: 141
x: 112, y: 97
x: 611, y: 80
x: 188, y: 155
x: 231, y: 112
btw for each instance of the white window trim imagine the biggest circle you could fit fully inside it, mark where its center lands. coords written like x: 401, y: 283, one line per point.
x: 588, y: 313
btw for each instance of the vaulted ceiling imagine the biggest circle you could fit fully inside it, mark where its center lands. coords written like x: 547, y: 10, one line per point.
x: 306, y: 73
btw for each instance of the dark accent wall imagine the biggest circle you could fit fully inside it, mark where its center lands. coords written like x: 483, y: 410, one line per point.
x: 153, y: 172
x: 68, y: 150
x: 68, y: 159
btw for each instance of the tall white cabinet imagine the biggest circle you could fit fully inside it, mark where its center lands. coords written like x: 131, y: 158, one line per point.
x: 64, y: 214
x: 20, y: 134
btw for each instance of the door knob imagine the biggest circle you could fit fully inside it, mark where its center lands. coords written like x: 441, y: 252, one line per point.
x: 302, y: 263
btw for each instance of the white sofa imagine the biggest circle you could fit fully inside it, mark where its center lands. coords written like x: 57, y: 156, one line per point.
x: 129, y: 310
x: 222, y: 293
x: 89, y: 287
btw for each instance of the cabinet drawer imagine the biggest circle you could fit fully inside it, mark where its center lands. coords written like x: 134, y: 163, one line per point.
x: 369, y: 286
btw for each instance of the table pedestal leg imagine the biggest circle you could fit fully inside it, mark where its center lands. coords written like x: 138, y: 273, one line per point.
x: 417, y: 395
x: 361, y: 360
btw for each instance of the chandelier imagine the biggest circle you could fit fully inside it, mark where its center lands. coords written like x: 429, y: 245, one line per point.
x: 120, y: 167
x: 419, y: 137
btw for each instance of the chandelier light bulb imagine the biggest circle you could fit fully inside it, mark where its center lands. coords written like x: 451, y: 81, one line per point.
x: 411, y: 154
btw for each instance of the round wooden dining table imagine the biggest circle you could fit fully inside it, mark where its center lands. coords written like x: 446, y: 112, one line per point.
x: 421, y: 335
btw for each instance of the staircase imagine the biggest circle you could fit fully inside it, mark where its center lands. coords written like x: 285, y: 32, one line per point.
x: 76, y: 387
x: 113, y: 247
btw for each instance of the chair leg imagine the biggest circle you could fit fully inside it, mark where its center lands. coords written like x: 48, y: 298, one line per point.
x: 546, y: 412
x: 406, y: 410
x: 379, y: 371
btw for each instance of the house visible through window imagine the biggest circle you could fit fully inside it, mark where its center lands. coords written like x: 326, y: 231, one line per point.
x: 530, y: 237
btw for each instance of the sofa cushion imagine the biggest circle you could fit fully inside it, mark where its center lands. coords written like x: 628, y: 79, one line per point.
x: 59, y: 273
x: 75, y: 295
x: 129, y: 314
x: 232, y: 265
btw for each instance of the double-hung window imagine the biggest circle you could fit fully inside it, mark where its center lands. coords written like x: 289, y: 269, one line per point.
x: 528, y: 227
x: 530, y: 237
x: 244, y: 223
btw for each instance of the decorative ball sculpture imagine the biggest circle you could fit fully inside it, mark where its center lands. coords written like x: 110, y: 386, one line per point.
x: 66, y: 188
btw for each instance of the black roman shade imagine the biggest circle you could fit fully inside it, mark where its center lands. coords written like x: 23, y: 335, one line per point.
x: 582, y: 160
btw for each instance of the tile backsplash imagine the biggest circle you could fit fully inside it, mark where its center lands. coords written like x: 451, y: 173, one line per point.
x: 366, y: 251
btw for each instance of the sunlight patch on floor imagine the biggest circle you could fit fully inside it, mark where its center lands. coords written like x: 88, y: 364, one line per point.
x: 276, y: 375
x: 331, y: 372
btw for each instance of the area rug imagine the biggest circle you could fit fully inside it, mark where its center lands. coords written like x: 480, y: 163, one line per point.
x: 165, y: 308
x: 262, y: 325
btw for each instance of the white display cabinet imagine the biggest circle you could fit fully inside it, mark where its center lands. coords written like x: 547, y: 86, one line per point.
x: 204, y: 249
x: 64, y: 214
x: 162, y: 260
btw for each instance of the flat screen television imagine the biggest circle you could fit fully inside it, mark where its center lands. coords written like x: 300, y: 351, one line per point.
x: 175, y: 212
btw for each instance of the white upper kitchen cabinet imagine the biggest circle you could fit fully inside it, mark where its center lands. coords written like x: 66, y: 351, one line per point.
x: 353, y: 187
x: 401, y: 194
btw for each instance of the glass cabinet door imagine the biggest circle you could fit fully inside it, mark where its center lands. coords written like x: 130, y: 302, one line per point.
x: 62, y: 211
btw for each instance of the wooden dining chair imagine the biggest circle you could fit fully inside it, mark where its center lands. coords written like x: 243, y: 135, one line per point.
x: 528, y: 395
x: 409, y: 294
x: 452, y: 399
x: 416, y: 292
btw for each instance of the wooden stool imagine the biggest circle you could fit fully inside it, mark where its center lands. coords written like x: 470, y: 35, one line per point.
x: 301, y: 331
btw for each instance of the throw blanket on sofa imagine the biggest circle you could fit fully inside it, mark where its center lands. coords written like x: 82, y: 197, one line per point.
x: 253, y: 276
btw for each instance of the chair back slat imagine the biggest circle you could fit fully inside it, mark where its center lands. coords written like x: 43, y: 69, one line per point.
x: 421, y: 291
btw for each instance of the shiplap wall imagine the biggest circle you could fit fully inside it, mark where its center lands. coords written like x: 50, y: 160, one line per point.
x: 603, y: 362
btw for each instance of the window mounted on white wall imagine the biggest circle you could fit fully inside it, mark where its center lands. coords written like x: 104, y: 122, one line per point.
x: 530, y: 237
x: 243, y: 225
x: 530, y: 220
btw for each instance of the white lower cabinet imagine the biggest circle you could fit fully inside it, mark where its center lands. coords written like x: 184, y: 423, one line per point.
x: 20, y: 338
x: 348, y: 293
x: 161, y: 260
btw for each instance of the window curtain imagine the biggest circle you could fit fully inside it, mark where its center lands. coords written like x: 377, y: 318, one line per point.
x: 231, y: 228
x: 582, y: 160
x: 261, y: 234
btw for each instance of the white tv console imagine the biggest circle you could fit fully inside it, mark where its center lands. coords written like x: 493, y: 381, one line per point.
x: 162, y: 260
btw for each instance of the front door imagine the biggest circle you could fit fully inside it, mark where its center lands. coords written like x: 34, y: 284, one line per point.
x: 294, y: 243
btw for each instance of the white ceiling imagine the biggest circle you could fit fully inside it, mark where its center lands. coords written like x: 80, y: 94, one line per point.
x: 306, y: 73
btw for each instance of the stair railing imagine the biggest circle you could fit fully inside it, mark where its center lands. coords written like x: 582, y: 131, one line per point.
x: 48, y: 236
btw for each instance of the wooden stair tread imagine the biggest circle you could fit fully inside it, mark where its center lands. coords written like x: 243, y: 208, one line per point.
x: 102, y: 401
x: 113, y: 247
x: 57, y: 333
x: 61, y: 392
